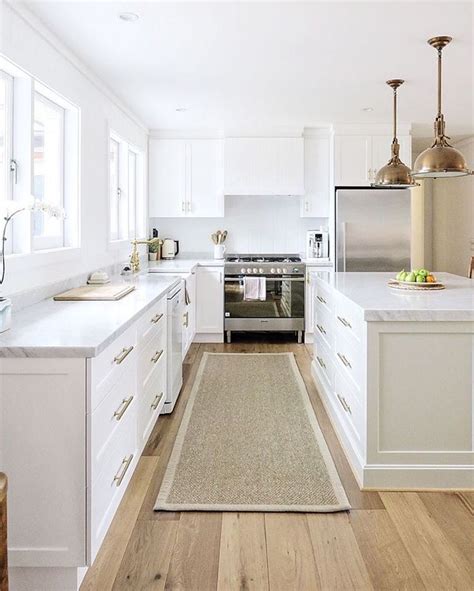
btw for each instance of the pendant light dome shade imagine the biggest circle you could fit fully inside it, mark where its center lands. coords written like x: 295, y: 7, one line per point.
x: 394, y: 173
x: 441, y: 159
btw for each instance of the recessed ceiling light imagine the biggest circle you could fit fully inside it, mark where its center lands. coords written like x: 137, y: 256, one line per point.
x: 368, y: 109
x: 181, y: 109
x: 129, y: 17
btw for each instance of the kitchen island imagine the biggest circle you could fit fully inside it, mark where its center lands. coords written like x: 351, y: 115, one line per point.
x: 394, y: 371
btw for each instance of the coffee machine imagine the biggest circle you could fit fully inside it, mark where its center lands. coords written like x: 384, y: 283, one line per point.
x: 317, y: 245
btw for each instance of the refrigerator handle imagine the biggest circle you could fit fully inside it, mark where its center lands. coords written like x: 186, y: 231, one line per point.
x: 341, y: 248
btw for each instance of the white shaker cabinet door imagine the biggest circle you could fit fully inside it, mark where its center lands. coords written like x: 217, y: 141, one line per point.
x: 167, y: 178
x: 210, y: 300
x: 353, y: 160
x: 317, y: 171
x: 205, y: 191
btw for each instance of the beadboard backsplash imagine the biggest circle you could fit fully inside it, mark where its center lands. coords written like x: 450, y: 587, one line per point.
x: 254, y: 224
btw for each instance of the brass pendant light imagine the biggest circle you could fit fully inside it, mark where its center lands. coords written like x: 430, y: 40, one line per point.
x: 441, y: 159
x: 395, y: 173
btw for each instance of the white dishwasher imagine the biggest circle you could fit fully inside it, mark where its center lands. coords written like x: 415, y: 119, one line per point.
x: 175, y: 306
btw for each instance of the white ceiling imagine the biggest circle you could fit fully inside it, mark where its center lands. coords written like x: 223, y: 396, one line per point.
x: 268, y: 64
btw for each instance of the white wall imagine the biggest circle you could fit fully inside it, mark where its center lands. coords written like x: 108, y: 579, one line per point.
x: 31, y: 47
x: 453, y: 218
x: 255, y: 224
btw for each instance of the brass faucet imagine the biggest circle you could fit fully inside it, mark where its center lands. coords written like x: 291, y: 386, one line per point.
x: 135, y: 257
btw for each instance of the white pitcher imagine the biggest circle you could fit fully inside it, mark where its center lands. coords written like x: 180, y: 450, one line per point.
x: 219, y: 250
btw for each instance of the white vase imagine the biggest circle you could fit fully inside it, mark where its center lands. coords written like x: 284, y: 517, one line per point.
x: 219, y: 250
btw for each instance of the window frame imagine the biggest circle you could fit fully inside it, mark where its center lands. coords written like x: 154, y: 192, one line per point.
x: 41, y: 243
x: 8, y: 186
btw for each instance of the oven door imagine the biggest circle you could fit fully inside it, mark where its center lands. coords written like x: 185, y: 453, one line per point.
x: 284, y: 299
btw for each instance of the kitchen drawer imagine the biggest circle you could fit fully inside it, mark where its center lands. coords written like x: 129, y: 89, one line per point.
x: 324, y: 296
x: 323, y: 360
x: 152, y: 400
x: 109, y: 417
x: 348, y: 400
x: 348, y: 357
x: 152, y: 356
x: 349, y: 318
x: 108, y: 489
x: 108, y: 367
x: 324, y: 325
x: 151, y: 322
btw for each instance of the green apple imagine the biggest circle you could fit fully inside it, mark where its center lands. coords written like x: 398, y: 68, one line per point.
x: 416, y: 271
x: 423, y: 272
x: 411, y: 277
x: 420, y: 278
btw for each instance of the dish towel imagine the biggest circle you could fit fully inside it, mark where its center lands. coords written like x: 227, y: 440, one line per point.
x: 255, y: 288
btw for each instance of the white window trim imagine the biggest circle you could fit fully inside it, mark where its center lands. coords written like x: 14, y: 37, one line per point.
x: 8, y: 78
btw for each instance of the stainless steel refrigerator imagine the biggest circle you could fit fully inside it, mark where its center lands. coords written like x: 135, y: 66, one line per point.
x: 373, y: 229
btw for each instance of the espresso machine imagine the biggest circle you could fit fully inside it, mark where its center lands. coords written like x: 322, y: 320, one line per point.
x: 317, y: 245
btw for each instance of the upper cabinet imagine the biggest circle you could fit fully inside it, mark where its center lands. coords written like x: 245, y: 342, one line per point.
x: 186, y: 178
x: 317, y: 177
x: 357, y: 157
x: 264, y: 166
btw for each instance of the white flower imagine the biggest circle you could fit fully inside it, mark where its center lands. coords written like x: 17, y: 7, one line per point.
x: 10, y: 207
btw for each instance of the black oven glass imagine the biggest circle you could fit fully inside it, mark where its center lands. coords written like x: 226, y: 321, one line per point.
x: 285, y: 299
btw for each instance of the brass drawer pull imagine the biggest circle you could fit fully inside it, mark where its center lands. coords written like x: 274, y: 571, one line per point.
x: 186, y: 319
x: 321, y: 299
x: 157, y: 400
x: 156, y: 356
x: 321, y: 329
x: 118, y: 414
x: 321, y: 362
x: 156, y: 318
x: 344, y: 322
x: 344, y: 404
x: 121, y: 357
x: 344, y: 360
x: 123, y: 470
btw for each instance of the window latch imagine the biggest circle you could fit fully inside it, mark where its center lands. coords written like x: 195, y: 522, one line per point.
x: 119, y: 192
x: 14, y: 170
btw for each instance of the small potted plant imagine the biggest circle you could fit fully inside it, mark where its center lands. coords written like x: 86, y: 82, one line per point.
x: 154, y: 250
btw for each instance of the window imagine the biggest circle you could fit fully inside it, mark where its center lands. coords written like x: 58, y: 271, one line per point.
x: 48, y: 170
x: 126, y: 190
x: 6, y: 142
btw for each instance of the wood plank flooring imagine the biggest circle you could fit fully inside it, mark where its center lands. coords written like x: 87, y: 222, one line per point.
x: 388, y: 541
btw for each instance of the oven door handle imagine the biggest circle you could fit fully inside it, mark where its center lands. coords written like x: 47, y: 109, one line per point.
x: 270, y: 278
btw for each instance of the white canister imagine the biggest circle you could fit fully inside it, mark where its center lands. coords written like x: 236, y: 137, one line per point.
x: 219, y: 250
x: 5, y: 314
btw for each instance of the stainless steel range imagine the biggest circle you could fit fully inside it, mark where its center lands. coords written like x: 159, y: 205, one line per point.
x: 279, y: 305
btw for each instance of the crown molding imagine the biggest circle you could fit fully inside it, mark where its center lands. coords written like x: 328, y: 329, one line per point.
x: 47, y: 35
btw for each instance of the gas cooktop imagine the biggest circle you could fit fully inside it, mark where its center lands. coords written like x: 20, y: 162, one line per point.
x: 262, y: 258
x: 264, y: 264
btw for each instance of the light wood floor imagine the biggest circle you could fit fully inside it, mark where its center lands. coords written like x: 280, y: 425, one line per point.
x: 387, y: 541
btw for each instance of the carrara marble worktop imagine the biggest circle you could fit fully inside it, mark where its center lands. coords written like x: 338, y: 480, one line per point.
x: 80, y: 329
x: 379, y: 302
x: 184, y: 263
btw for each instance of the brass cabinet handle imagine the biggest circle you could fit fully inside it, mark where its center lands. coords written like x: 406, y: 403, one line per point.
x: 321, y: 329
x: 118, y: 414
x: 156, y: 356
x: 121, y: 357
x: 344, y: 322
x: 344, y: 360
x: 186, y: 319
x: 321, y: 362
x: 344, y: 404
x: 322, y: 300
x: 123, y: 470
x: 156, y: 318
x: 157, y: 400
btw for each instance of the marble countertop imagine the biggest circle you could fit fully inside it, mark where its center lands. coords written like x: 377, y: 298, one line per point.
x: 379, y: 302
x: 80, y: 329
x: 184, y: 263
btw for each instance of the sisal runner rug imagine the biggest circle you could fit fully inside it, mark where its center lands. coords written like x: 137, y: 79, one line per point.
x: 250, y: 441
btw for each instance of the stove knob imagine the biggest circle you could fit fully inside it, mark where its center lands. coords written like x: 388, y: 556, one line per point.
x: 249, y: 270
x: 242, y: 270
x: 285, y: 270
x: 260, y: 270
x: 272, y: 270
x: 255, y: 270
x: 278, y: 270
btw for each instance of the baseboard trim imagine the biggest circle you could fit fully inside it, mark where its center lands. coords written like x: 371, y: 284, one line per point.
x: 209, y: 337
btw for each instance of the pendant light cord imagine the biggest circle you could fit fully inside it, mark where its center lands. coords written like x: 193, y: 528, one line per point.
x: 439, y: 81
x: 394, y: 115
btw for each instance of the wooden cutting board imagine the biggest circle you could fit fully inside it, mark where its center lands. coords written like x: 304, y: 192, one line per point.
x: 104, y: 293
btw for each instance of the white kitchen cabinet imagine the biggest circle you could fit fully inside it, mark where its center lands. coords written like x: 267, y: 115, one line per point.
x: 317, y: 177
x: 264, y: 166
x: 186, y: 178
x: 209, y: 304
x: 358, y: 157
x: 310, y: 293
x: 189, y: 313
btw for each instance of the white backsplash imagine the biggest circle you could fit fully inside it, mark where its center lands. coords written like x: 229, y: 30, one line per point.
x: 254, y: 224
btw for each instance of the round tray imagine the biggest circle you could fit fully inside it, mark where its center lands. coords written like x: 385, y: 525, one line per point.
x: 412, y: 286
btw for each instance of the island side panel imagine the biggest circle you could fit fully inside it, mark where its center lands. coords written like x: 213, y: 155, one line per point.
x: 420, y: 405
x: 42, y: 450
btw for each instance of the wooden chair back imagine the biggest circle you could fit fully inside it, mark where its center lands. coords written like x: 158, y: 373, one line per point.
x: 470, y: 273
x: 3, y: 533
